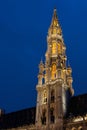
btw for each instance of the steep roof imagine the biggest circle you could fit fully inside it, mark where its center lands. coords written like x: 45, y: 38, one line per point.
x: 19, y: 118
x: 77, y: 105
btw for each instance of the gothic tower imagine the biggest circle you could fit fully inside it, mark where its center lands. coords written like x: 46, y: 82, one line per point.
x: 54, y: 81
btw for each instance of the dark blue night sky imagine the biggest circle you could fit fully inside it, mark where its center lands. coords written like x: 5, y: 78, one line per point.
x: 23, y: 30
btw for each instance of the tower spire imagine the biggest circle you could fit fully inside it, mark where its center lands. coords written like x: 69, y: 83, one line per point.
x: 55, y: 26
x: 55, y: 18
x: 54, y: 81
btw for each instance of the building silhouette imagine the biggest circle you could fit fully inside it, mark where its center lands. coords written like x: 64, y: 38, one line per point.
x: 56, y: 108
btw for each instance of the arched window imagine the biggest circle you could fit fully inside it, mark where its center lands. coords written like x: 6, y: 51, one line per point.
x: 54, y: 31
x: 43, y: 117
x: 53, y: 71
x: 67, y: 129
x: 43, y: 80
x: 59, y: 31
x: 52, y: 117
x: 52, y: 96
x: 59, y: 48
x: 45, y: 97
x: 80, y: 128
x: 54, y: 48
x: 55, y: 22
x: 73, y: 128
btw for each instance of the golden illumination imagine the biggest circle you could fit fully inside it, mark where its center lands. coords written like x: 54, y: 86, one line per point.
x: 85, y: 117
x: 53, y: 71
x: 80, y: 128
x: 54, y: 48
x: 54, y: 31
x: 78, y: 119
x: 59, y: 48
x: 44, y: 97
x: 55, y: 23
x: 59, y: 31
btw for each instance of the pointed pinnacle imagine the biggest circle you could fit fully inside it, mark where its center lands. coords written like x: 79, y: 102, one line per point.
x: 54, y: 18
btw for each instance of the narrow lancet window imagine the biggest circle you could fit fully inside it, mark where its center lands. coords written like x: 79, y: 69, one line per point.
x: 59, y: 48
x: 53, y: 71
x: 54, y: 48
x: 43, y: 118
x: 45, y: 97
x: 52, y: 96
x: 52, y: 117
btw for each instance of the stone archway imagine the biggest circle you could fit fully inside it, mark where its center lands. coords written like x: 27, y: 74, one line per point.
x: 73, y: 128
x: 80, y: 128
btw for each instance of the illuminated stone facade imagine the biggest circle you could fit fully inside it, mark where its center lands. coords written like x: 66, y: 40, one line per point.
x: 56, y: 109
x: 54, y: 82
x: 54, y: 89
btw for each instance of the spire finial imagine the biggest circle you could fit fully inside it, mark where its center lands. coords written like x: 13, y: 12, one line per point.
x: 55, y: 14
x: 55, y: 26
x: 54, y: 18
x: 55, y: 9
x: 41, y: 61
